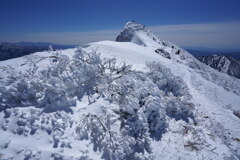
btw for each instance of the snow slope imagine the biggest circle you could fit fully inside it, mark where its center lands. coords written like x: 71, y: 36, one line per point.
x: 168, y: 105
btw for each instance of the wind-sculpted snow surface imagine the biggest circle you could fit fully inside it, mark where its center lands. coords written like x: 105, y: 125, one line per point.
x: 141, y: 98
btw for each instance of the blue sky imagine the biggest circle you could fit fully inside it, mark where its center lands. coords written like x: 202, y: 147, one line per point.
x: 83, y: 21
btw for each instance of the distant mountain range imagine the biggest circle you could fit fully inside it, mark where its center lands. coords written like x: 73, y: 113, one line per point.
x: 225, y: 61
x: 19, y: 49
x: 224, y: 64
x: 43, y: 44
x: 203, y: 51
x: 14, y: 50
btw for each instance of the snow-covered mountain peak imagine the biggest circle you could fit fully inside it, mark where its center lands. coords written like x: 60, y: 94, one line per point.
x: 137, y: 33
x: 142, y: 36
x: 134, y: 25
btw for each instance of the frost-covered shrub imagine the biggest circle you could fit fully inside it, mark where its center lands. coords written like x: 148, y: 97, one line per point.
x: 125, y: 145
x: 179, y: 109
x: 155, y: 116
x: 137, y: 128
x: 165, y: 80
x: 140, y: 110
x: 95, y: 129
x: 86, y: 71
x: 21, y: 92
x: 177, y: 97
x: 143, y: 101
x: 58, y: 86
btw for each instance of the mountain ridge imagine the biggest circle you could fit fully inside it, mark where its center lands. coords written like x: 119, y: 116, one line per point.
x: 224, y: 64
x: 19, y: 49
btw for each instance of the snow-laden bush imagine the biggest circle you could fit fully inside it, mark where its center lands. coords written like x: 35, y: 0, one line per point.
x: 137, y: 95
x: 177, y: 98
x: 132, y: 140
x: 98, y: 131
x: 57, y: 87
x: 20, y: 92
x: 165, y: 81
x: 71, y: 79
x: 179, y: 109
x: 144, y: 100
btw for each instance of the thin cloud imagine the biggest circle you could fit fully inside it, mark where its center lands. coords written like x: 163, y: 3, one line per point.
x: 218, y: 35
